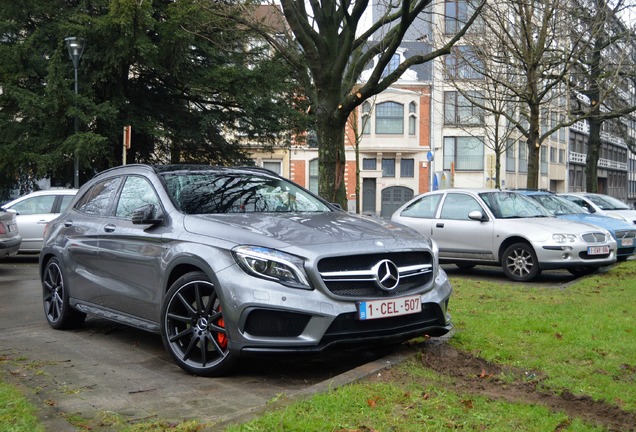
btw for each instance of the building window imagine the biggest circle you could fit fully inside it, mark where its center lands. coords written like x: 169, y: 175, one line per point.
x: 463, y: 64
x: 389, y: 118
x: 553, y: 155
x: 313, y: 175
x: 456, y: 13
x: 523, y: 157
x: 412, y: 118
x: 467, y: 153
x: 369, y: 164
x: 388, y: 167
x: 510, y: 155
x: 544, y: 160
x: 407, y: 168
x: 391, y: 66
x: 274, y: 165
x: 458, y: 110
x: 366, y: 118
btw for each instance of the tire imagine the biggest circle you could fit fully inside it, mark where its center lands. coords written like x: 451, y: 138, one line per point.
x: 193, y: 329
x: 519, y: 263
x: 55, y: 296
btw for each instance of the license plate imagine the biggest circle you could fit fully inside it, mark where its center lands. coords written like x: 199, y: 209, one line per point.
x: 598, y: 250
x: 387, y: 308
x: 627, y: 242
x: 12, y: 227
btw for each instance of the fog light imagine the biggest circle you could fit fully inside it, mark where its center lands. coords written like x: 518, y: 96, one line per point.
x: 565, y: 256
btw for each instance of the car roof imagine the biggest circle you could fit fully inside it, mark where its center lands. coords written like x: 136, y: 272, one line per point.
x: 175, y: 168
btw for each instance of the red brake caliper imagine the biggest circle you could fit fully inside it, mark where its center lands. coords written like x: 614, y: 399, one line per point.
x: 221, y: 337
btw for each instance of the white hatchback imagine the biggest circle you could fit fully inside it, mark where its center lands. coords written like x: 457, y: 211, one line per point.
x: 603, y: 205
x: 34, y: 211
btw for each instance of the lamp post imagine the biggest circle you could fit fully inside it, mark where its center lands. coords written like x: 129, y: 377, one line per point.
x: 75, y: 48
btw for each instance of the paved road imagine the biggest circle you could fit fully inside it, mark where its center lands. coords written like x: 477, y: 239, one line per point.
x: 105, y: 367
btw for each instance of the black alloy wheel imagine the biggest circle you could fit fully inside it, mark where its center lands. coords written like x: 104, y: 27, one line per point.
x: 59, y: 313
x: 193, y: 329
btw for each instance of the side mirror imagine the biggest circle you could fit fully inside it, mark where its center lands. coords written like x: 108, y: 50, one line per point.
x: 146, y: 215
x: 477, y: 215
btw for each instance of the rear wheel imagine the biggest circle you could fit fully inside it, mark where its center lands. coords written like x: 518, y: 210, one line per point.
x: 193, y: 329
x: 59, y: 313
x: 519, y: 262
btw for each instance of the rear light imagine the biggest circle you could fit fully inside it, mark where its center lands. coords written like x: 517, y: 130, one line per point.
x: 3, y: 230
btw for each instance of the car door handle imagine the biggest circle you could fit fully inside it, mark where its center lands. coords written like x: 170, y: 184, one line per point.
x: 68, y: 223
x: 109, y: 228
x: 439, y: 225
x: 42, y: 222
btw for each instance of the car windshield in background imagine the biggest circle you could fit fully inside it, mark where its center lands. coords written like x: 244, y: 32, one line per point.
x: 607, y: 202
x: 558, y: 205
x: 508, y: 205
x: 213, y: 193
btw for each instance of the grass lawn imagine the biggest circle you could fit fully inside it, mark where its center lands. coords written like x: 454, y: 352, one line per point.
x: 522, y: 358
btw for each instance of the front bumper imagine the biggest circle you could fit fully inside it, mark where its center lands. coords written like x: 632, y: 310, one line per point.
x: 286, y: 320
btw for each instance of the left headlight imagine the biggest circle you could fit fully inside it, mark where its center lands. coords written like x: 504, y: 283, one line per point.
x: 564, y: 238
x: 273, y: 265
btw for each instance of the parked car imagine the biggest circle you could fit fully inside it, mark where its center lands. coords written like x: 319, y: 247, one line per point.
x: 10, y: 238
x: 34, y: 211
x: 623, y: 232
x: 225, y: 262
x: 602, y: 204
x: 506, y: 229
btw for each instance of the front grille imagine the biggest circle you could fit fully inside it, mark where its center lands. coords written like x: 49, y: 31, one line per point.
x: 273, y: 323
x: 361, y: 275
x: 623, y: 234
x: 594, y: 237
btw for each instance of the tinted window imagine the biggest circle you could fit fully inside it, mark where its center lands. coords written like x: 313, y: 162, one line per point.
x: 205, y: 193
x: 137, y: 192
x: 99, y: 198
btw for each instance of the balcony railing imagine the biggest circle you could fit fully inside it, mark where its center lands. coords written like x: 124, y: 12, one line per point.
x: 581, y: 158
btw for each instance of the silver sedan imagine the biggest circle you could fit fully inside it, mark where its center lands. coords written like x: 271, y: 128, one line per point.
x: 507, y: 229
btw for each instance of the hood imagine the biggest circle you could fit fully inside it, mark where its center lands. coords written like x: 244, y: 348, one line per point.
x: 626, y: 215
x: 281, y: 230
x: 606, y: 222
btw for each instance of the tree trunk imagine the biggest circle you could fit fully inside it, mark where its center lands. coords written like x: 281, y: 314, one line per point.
x: 331, y: 153
x: 534, y: 151
x: 593, y: 154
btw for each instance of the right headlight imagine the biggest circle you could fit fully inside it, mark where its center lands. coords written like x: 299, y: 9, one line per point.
x: 272, y: 264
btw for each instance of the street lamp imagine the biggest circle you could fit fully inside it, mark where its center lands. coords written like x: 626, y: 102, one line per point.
x: 75, y: 48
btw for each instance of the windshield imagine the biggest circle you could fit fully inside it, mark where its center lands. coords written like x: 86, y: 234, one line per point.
x: 238, y: 192
x: 558, y: 205
x: 508, y: 205
x: 606, y: 202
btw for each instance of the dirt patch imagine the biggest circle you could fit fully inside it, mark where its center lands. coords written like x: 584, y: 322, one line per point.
x: 477, y: 376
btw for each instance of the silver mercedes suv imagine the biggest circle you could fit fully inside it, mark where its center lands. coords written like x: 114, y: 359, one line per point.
x: 224, y: 262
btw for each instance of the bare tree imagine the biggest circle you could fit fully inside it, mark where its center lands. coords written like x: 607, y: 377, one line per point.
x: 524, y: 55
x: 330, y: 43
x: 604, y: 75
